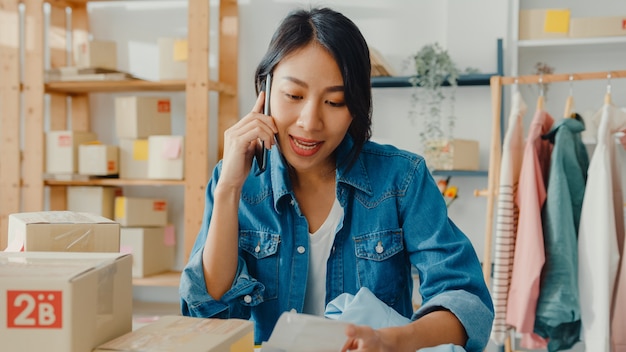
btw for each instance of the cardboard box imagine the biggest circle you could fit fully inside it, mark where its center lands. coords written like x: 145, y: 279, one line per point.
x: 93, y: 199
x: 532, y: 25
x: 98, y: 159
x: 152, y: 248
x: 63, y: 302
x: 455, y: 154
x: 62, y: 150
x: 166, y: 157
x: 588, y: 27
x: 138, y: 117
x: 133, y: 158
x: 136, y: 211
x: 97, y: 54
x: 172, y: 58
x: 62, y: 231
x: 178, y: 333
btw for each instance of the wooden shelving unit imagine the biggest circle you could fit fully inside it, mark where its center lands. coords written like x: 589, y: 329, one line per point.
x: 22, y: 179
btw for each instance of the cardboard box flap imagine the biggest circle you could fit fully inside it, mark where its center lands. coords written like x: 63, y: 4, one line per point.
x: 53, y: 265
x: 61, y: 217
x: 177, y: 333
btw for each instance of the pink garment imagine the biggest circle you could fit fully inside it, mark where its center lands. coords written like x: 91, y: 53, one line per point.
x: 529, y: 250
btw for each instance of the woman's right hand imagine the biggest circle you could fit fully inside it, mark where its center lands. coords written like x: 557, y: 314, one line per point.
x: 240, y: 141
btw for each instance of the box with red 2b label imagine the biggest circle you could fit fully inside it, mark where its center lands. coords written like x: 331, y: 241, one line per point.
x: 66, y: 302
x: 138, y: 117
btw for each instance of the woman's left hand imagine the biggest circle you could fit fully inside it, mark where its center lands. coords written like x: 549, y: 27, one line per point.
x: 366, y: 339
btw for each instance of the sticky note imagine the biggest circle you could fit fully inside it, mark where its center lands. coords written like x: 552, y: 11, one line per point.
x: 140, y: 150
x: 171, y: 148
x: 557, y: 21
x: 120, y: 207
x: 170, y: 236
x: 180, y: 50
x: 126, y: 249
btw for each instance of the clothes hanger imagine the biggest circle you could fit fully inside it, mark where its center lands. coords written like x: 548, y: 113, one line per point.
x: 541, y: 99
x: 607, y: 96
x: 569, y: 103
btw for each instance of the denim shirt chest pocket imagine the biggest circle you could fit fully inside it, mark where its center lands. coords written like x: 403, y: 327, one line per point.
x: 260, y: 251
x: 381, y: 265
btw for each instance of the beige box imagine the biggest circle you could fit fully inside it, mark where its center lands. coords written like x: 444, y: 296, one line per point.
x: 178, y: 333
x: 133, y: 158
x: 532, y: 24
x: 152, y: 248
x: 172, y: 58
x: 138, y: 117
x: 166, y: 157
x: 96, y: 53
x: 136, y: 211
x: 455, y: 154
x: 62, y: 231
x: 63, y: 302
x: 62, y: 150
x: 98, y: 159
x: 93, y: 199
x: 588, y: 27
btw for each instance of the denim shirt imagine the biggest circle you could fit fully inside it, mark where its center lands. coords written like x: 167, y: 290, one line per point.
x: 394, y: 218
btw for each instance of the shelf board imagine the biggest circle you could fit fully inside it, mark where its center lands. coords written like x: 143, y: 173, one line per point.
x: 166, y: 279
x: 472, y: 79
x: 114, y: 182
x: 478, y: 173
x: 82, y: 87
x: 570, y: 41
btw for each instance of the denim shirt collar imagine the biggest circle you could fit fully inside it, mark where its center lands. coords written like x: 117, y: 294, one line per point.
x: 355, y: 176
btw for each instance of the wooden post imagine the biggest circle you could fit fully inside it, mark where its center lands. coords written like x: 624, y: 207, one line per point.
x: 33, y: 167
x: 10, y: 165
x: 197, y: 125
x: 228, y: 110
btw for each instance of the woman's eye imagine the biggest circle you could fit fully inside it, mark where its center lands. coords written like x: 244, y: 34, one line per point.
x: 293, y: 97
x: 336, y: 104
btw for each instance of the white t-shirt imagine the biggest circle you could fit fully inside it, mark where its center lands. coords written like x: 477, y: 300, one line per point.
x: 319, y: 250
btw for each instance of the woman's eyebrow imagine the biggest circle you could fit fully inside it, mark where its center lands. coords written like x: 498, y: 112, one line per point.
x: 338, y: 88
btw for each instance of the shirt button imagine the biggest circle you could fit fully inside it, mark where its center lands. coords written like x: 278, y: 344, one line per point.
x: 301, y: 249
x: 379, y: 248
x: 293, y: 202
x: 247, y: 299
x: 257, y: 249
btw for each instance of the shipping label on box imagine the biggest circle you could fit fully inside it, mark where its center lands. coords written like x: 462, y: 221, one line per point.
x: 98, y: 159
x: 454, y: 154
x: 152, y: 248
x: 138, y: 117
x: 63, y: 231
x: 62, y: 150
x: 137, y: 211
x: 63, y: 302
x: 93, y: 199
x: 166, y: 157
x: 178, y: 333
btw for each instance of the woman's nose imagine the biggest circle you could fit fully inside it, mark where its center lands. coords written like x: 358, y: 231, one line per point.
x: 310, y: 117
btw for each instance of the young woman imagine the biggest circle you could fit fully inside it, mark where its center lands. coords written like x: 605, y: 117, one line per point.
x: 333, y: 212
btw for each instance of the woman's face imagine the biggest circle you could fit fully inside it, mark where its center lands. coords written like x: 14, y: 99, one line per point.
x: 309, y: 108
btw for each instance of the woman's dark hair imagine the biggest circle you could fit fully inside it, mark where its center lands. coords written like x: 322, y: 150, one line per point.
x: 344, y: 41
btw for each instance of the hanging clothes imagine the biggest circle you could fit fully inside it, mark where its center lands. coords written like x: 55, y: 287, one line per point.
x: 618, y: 321
x: 601, y: 224
x: 558, y: 307
x: 529, y: 248
x: 507, y: 215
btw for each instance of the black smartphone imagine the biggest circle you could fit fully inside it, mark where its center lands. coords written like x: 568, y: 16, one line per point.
x: 260, y: 153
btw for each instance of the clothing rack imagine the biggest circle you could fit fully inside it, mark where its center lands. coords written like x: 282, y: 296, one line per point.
x: 496, y: 84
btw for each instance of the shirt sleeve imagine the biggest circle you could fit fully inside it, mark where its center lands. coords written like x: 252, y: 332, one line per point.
x: 449, y: 270
x: 244, y: 293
